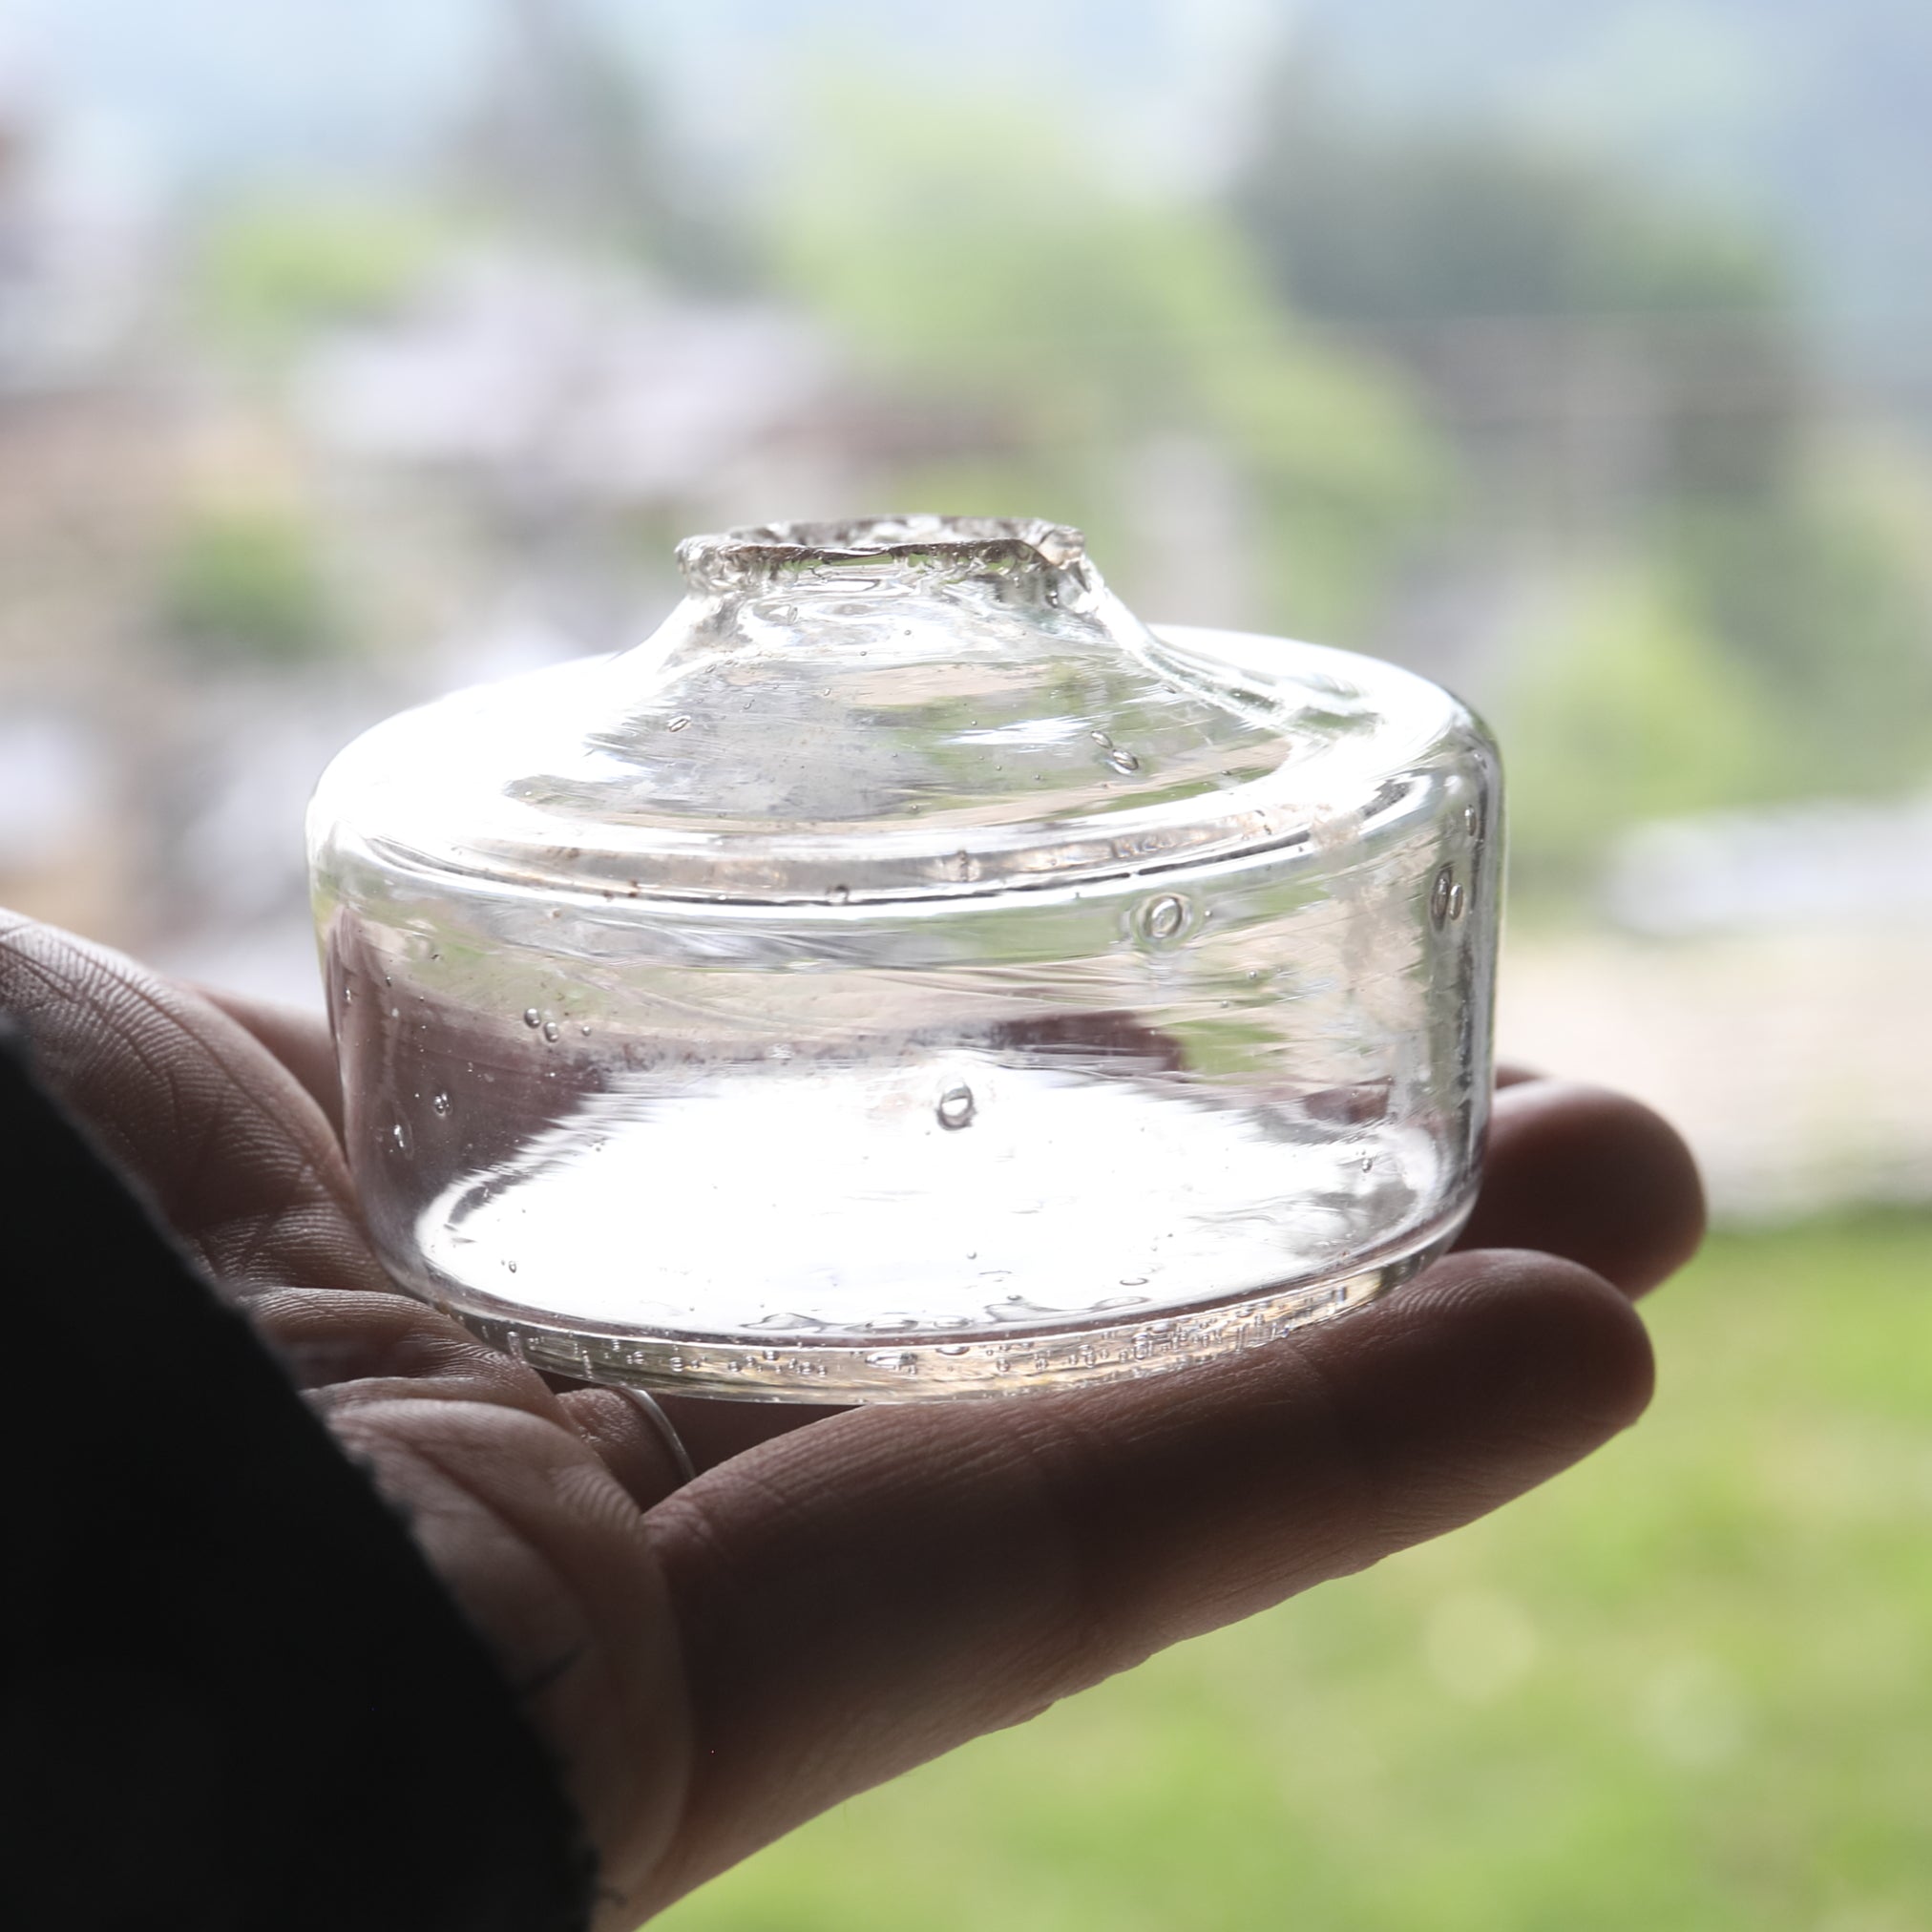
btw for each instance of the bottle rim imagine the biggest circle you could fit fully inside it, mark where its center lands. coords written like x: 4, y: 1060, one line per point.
x: 757, y: 555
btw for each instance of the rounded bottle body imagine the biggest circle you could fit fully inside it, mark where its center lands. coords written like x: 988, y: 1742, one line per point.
x: 976, y: 1136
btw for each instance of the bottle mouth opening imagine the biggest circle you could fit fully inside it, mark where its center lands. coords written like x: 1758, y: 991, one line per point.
x: 765, y: 553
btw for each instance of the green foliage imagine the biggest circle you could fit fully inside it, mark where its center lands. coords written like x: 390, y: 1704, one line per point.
x: 1049, y: 325
x: 568, y: 145
x: 1811, y: 117
x: 1346, y: 479
x: 1366, y: 223
x: 1499, y: 266
x: 1635, y: 710
x: 1683, y: 1688
x: 1749, y: 626
x: 245, y: 583
x: 272, y: 270
x: 960, y: 241
x: 1764, y: 651
x: 1819, y: 597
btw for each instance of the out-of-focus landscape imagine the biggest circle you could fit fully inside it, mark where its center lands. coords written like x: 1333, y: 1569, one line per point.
x: 350, y: 353
x: 1580, y: 357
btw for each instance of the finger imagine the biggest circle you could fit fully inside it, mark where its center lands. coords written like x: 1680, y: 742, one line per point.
x: 714, y: 1431
x: 863, y: 1595
x: 546, y: 1555
x: 634, y: 1448
x: 241, y: 1164
x: 1593, y: 1176
x: 297, y: 1037
x: 235, y: 1155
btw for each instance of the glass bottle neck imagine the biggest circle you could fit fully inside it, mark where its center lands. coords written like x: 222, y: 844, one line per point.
x: 1008, y: 562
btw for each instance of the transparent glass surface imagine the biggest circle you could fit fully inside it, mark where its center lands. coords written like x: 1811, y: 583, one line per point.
x: 907, y: 974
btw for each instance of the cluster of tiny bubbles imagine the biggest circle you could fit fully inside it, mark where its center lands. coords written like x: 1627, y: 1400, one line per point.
x: 1163, y: 920
x: 956, y: 1108
x: 439, y: 1106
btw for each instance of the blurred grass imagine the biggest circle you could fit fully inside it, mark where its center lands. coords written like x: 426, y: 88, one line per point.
x: 1688, y: 1686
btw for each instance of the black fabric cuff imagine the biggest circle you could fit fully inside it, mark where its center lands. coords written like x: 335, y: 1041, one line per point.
x: 233, y: 1695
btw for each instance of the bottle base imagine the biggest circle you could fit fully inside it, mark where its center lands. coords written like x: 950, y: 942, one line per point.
x: 943, y: 1368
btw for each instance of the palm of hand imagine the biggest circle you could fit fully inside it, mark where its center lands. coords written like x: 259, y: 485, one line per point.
x: 717, y: 1661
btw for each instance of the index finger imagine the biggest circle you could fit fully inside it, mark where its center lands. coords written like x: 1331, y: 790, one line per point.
x: 1593, y: 1175
x: 297, y: 1036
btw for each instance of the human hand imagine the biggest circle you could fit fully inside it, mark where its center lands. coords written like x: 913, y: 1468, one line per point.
x: 714, y: 1662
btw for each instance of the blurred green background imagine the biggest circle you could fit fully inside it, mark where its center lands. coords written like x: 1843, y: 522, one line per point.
x: 1683, y: 1688
x: 1576, y: 356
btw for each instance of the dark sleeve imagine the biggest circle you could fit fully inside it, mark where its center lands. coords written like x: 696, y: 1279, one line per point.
x: 232, y: 1693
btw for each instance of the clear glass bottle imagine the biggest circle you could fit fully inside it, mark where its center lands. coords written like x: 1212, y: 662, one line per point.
x: 906, y: 975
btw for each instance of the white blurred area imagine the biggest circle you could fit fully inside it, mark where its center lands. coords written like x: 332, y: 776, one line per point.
x: 489, y: 465
x: 1794, y: 1062
x: 351, y: 353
